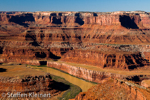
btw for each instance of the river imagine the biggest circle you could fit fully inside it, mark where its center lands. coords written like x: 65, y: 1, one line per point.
x: 84, y: 85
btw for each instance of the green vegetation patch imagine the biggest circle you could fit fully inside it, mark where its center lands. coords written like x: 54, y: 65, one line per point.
x: 71, y: 92
x: 42, y: 66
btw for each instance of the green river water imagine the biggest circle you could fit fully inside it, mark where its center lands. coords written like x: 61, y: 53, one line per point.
x: 84, y: 85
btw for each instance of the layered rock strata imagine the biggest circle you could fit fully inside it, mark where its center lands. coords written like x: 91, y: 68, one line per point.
x: 104, y: 59
x: 115, y: 27
x: 120, y: 60
x: 114, y: 90
x: 117, y: 40
x: 136, y: 19
x: 90, y: 75
x: 28, y: 84
x: 84, y: 37
x: 93, y: 75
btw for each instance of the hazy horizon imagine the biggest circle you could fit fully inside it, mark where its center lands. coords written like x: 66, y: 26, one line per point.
x: 68, y: 11
x: 74, y: 5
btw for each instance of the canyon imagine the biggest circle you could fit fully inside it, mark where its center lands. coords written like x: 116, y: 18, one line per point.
x: 20, y: 82
x: 90, y: 45
x: 120, y: 89
x: 77, y: 35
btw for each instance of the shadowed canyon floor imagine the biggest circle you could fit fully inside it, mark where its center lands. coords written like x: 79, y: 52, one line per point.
x: 20, y: 79
x: 94, y: 46
x: 84, y: 85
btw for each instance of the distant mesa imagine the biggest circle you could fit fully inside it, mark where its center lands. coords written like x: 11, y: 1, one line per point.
x: 127, y: 19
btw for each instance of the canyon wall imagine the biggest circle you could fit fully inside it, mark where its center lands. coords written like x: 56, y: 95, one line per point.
x: 116, y: 40
x: 26, y: 84
x: 72, y: 19
x: 69, y: 19
x: 120, y: 60
x: 86, y: 35
x: 72, y: 27
x: 81, y: 72
x: 87, y: 74
x: 82, y: 37
x: 113, y: 90
x: 109, y: 58
x: 23, y: 53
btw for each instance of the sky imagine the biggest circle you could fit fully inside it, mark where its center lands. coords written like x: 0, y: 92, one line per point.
x: 75, y: 5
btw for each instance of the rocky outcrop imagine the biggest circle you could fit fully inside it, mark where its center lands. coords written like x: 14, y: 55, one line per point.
x: 87, y: 74
x: 120, y: 60
x: 30, y: 53
x: 81, y: 72
x: 83, y: 37
x: 119, y: 27
x: 116, y: 40
x: 146, y: 83
x: 146, y: 55
x: 115, y: 57
x: 136, y: 19
x: 115, y: 90
x: 22, y: 84
x: 28, y: 84
x: 65, y: 18
x: 109, y: 58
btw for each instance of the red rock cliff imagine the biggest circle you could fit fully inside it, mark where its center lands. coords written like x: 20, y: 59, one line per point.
x: 113, y: 90
x: 120, y: 60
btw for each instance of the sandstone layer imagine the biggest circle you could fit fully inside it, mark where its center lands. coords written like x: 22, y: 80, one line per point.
x: 77, y: 37
x: 115, y: 40
x: 114, y: 90
x: 91, y: 27
x: 146, y: 83
x: 28, y: 85
x: 112, y: 40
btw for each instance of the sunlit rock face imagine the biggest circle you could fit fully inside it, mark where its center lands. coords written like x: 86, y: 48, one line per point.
x: 112, y: 40
x: 113, y: 89
x: 82, y: 37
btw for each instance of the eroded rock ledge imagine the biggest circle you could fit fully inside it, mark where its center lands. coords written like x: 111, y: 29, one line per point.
x: 96, y: 75
x: 94, y: 27
x: 82, y: 37
x: 103, y: 57
x: 136, y: 19
x: 28, y: 84
x: 90, y: 75
x: 93, y: 75
x: 114, y: 89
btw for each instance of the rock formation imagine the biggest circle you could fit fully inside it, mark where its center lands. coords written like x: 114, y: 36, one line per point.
x: 115, y: 90
x: 77, y: 37
x: 112, y: 40
x: 122, y: 60
x: 146, y: 83
x: 28, y: 84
